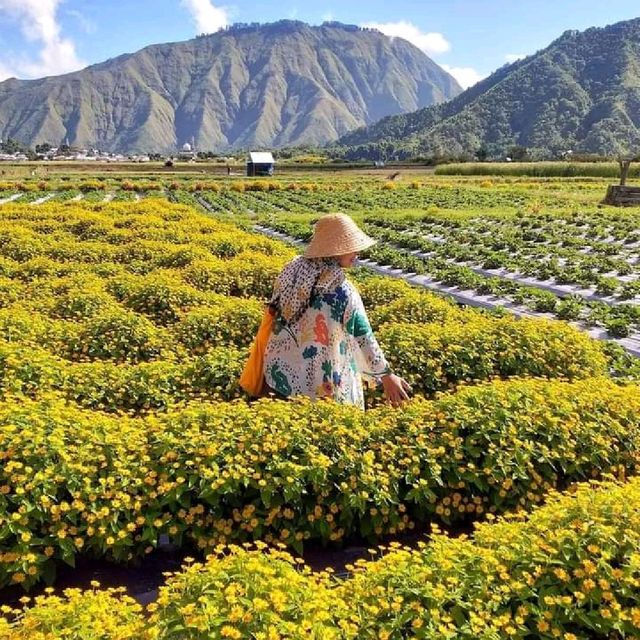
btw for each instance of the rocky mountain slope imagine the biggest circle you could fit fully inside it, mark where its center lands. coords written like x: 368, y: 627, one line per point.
x: 279, y: 84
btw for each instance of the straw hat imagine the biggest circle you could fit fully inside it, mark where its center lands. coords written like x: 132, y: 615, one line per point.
x: 337, y: 234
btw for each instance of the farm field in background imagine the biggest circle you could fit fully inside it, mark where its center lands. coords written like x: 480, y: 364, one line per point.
x: 128, y: 305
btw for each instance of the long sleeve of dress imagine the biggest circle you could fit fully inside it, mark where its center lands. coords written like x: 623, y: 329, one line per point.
x: 369, y: 355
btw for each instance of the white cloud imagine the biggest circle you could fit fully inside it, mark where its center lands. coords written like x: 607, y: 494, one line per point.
x: 208, y: 18
x: 38, y: 23
x: 512, y: 57
x: 86, y: 24
x: 431, y: 43
x: 466, y: 76
x: 328, y: 17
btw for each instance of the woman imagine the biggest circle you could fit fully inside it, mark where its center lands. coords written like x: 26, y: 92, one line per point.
x: 322, y: 342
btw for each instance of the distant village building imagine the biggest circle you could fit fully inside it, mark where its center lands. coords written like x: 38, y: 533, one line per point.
x: 188, y: 151
x: 260, y: 163
x: 13, y: 157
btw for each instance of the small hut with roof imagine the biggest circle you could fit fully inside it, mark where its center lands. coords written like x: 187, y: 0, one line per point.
x: 260, y: 163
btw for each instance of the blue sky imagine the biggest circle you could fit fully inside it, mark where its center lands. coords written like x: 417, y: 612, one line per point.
x: 470, y: 38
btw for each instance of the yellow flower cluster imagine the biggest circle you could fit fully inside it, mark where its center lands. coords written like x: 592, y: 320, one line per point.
x: 412, y: 307
x: 115, y: 318
x: 125, y: 306
x: 75, y: 614
x: 252, y: 593
x: 133, y: 306
x: 437, y: 355
x: 27, y: 369
x: 569, y: 570
x: 75, y: 481
x: 378, y: 291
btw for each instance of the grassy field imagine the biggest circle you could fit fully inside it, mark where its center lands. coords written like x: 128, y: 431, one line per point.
x: 610, y: 170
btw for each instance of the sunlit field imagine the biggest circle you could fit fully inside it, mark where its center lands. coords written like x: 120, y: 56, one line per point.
x: 501, y: 501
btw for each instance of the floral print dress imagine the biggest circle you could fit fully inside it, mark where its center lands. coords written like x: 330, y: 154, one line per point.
x: 325, y: 353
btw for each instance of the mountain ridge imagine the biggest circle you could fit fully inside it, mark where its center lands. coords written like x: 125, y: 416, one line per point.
x: 279, y: 84
x: 580, y: 93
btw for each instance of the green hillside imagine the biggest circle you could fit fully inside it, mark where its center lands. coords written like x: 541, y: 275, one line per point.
x: 582, y: 93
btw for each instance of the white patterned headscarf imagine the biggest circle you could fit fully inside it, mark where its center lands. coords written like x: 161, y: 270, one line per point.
x: 299, y: 280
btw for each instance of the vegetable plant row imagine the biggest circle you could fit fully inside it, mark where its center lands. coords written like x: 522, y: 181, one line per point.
x: 620, y: 319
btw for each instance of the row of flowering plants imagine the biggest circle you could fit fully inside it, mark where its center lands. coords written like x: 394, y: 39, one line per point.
x: 569, y: 570
x: 135, y: 306
x: 84, y: 482
x: 431, y: 356
x: 122, y: 361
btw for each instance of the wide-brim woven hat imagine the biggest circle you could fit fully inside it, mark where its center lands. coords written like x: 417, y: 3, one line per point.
x: 337, y: 234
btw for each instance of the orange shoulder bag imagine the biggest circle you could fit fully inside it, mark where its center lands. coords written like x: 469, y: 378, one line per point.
x: 252, y: 378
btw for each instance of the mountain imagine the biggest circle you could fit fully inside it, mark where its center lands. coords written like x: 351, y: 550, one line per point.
x: 581, y: 93
x: 279, y: 84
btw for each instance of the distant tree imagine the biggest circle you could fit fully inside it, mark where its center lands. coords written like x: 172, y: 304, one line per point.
x: 45, y: 147
x: 482, y: 154
x: 12, y: 146
x: 518, y: 152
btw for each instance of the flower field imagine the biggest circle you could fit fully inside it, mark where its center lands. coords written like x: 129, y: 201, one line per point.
x: 124, y: 325
x: 543, y: 244
x: 216, y: 473
x: 570, y: 570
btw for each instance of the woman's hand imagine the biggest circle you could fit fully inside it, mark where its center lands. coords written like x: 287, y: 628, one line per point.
x: 396, y: 389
